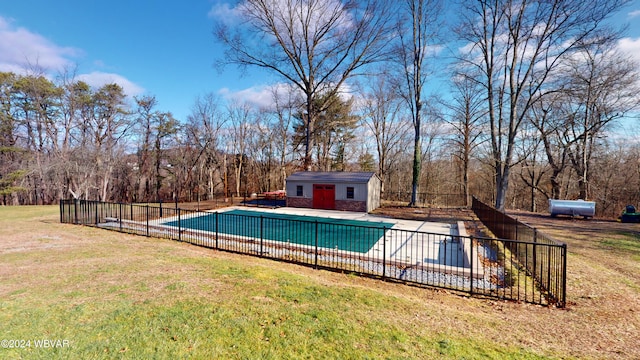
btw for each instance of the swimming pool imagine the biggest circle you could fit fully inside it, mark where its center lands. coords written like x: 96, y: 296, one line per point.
x: 348, y: 235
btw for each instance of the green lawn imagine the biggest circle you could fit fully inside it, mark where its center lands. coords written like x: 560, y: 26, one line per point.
x: 100, y: 294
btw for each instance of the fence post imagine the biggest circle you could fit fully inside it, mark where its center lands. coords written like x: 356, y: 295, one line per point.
x: 548, y: 284
x: 179, y: 226
x: 261, y: 234
x: 75, y: 210
x: 120, y: 215
x: 471, y: 265
x: 564, y: 276
x: 535, y: 253
x: 316, y: 242
x: 217, y: 222
x: 147, y: 207
x: 96, y: 212
x: 445, y: 251
x: 384, y: 251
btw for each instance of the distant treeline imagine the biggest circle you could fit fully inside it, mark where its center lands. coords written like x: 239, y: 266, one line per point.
x: 65, y: 139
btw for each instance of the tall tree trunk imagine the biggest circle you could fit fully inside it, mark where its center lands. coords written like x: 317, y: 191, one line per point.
x: 502, y: 184
x: 309, y: 136
x: 417, y: 162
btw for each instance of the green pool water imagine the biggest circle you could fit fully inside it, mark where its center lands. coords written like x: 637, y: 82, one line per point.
x: 348, y: 235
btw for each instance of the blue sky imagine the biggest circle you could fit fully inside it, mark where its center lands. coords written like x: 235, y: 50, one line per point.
x: 161, y: 48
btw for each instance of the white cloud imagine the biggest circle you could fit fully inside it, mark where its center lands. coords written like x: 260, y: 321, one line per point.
x: 225, y: 13
x: 633, y: 14
x: 97, y: 79
x: 260, y: 96
x: 630, y: 46
x: 22, y: 50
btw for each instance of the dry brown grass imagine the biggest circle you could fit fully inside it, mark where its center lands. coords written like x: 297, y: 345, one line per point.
x: 603, y: 284
x: 602, y: 319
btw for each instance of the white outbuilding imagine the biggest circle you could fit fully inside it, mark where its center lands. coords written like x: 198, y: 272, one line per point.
x: 349, y: 191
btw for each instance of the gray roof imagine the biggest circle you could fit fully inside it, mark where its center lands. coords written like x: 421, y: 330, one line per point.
x: 332, y: 176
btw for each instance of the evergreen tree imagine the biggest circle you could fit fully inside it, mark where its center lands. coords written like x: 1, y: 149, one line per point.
x: 333, y: 131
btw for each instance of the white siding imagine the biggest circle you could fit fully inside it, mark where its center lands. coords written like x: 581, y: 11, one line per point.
x: 359, y: 192
x: 373, y: 193
x: 307, y: 189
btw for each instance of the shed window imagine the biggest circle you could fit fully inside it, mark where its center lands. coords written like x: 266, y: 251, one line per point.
x: 299, y: 191
x: 350, y: 192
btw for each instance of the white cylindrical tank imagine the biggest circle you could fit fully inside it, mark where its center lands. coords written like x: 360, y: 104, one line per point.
x: 583, y: 208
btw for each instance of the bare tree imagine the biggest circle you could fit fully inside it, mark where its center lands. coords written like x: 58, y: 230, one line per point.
x: 145, y: 114
x: 432, y: 149
x: 603, y: 87
x: 77, y: 167
x: 467, y: 112
x: 615, y: 183
x: 551, y: 127
x: 596, y: 87
x: 516, y: 45
x: 203, y: 130
x: 155, y: 130
x: 383, y: 118
x: 415, y: 48
x: 110, y: 124
x: 532, y: 170
x: 317, y: 45
x: 285, y: 107
x: 239, y: 132
x: 164, y: 127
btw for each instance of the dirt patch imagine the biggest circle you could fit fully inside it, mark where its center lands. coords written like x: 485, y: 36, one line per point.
x: 426, y: 214
x: 585, y: 226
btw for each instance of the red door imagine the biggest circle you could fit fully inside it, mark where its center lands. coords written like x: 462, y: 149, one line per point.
x: 324, y: 196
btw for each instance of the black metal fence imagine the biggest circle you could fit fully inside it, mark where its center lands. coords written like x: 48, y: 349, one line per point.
x: 543, y: 258
x: 479, y: 266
